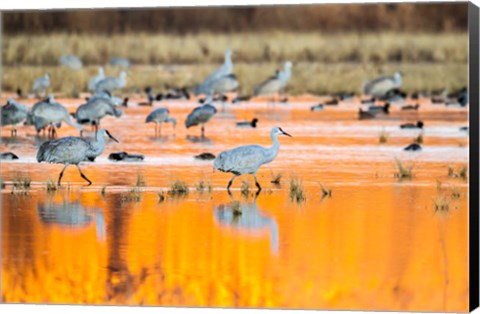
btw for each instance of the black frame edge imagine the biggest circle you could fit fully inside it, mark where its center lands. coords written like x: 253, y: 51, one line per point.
x: 474, y: 236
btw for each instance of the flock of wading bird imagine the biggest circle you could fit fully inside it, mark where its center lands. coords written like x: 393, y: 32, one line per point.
x: 48, y: 114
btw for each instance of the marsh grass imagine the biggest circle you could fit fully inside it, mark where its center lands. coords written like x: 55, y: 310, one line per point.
x: 161, y: 196
x: 383, y: 137
x: 419, y: 139
x: 245, y: 188
x: 325, y: 191
x: 275, y: 177
x: 455, y: 193
x: 133, y: 195
x: 51, y: 185
x: 202, y: 186
x: 461, y: 173
x: 236, y: 209
x: 296, y: 190
x: 178, y: 188
x: 140, y: 182
x: 403, y: 171
x: 21, y: 182
x: 441, y: 203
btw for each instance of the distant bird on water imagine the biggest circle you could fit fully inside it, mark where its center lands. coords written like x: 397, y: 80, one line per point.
x: 159, y: 116
x: 248, y: 159
x: 224, y: 70
x: 111, y: 83
x: 72, y: 150
x: 12, y: 114
x: 418, y: 125
x: 200, y: 116
x: 248, y: 124
x: 92, y: 83
x: 276, y: 83
x: 41, y: 84
x: 379, y: 87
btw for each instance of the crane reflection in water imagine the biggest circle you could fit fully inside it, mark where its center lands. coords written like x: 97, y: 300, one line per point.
x: 246, y: 216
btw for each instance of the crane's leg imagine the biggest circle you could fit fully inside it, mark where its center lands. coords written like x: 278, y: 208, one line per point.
x: 256, y: 182
x: 83, y: 176
x: 160, y: 129
x: 230, y: 183
x: 203, y: 130
x: 61, y: 173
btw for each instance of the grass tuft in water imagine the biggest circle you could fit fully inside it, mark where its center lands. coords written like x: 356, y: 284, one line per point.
x: 21, y: 182
x: 178, y: 188
x: 462, y: 172
x: 403, y: 172
x: 383, y: 137
x: 134, y: 195
x: 276, y: 178
x: 161, y: 197
x: 51, y: 185
x: 455, y: 193
x: 245, y: 188
x: 236, y: 210
x: 104, y: 191
x: 441, y: 203
x: 419, y: 138
x: 325, y: 191
x: 140, y: 181
x: 296, y: 190
x: 202, y: 185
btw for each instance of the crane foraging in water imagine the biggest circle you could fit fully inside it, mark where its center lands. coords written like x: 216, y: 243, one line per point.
x: 201, y: 115
x: 159, y: 116
x: 248, y: 159
x: 72, y: 150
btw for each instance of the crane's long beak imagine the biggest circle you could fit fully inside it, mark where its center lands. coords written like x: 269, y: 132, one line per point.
x: 110, y: 136
x: 285, y: 133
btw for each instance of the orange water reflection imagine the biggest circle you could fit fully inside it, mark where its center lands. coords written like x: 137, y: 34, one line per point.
x: 376, y: 244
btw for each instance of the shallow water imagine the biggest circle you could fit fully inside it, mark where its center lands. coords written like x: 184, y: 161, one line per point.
x: 377, y: 243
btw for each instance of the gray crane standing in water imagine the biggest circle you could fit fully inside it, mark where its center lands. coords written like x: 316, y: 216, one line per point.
x: 72, y: 150
x: 92, y: 83
x: 94, y: 110
x: 159, y: 116
x: 41, y: 84
x: 49, y: 113
x: 201, y: 115
x: 12, y: 114
x: 111, y: 83
x: 248, y: 159
x: 225, y: 70
x: 276, y: 83
x: 379, y: 87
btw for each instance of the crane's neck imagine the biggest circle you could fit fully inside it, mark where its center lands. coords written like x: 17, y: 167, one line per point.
x: 272, y: 152
x: 98, y: 145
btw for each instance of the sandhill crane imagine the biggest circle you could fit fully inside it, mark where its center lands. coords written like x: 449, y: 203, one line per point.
x: 12, y: 114
x: 41, y: 84
x: 110, y: 83
x: 71, y: 61
x: 48, y: 113
x: 94, y: 110
x: 72, y: 150
x: 159, y: 116
x: 225, y: 70
x: 276, y: 83
x: 248, y: 159
x: 119, y: 62
x: 379, y: 87
x: 92, y: 83
x: 199, y: 116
